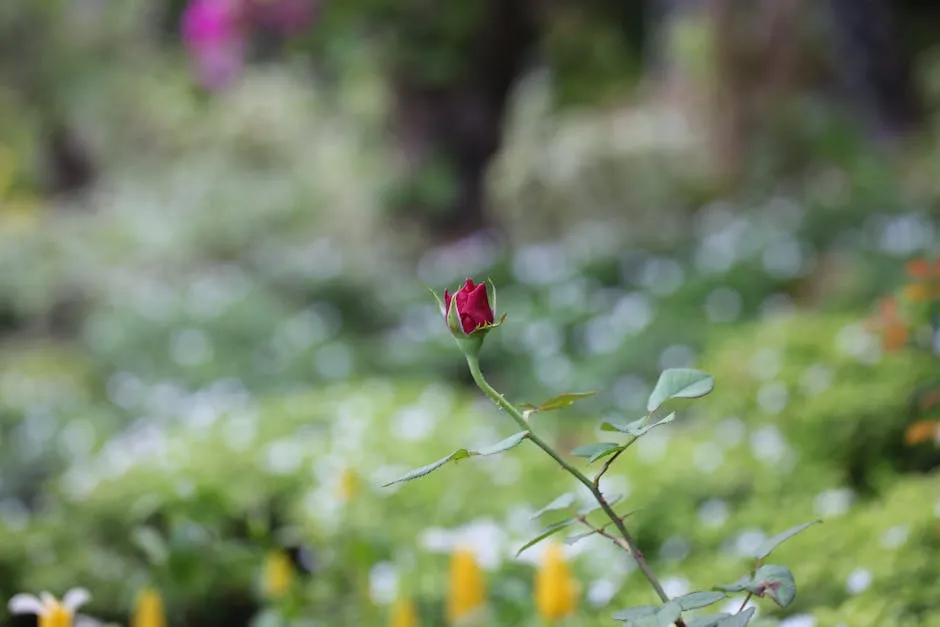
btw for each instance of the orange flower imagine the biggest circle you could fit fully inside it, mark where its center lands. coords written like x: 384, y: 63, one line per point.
x: 920, y: 432
x: 895, y: 337
x: 889, y: 322
x: 930, y: 399
x: 889, y: 308
x: 918, y: 268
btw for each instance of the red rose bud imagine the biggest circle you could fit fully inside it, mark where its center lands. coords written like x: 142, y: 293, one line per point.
x: 469, y: 315
x: 473, y: 307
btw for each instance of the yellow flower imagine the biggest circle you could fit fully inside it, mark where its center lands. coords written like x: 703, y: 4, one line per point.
x: 917, y: 292
x: 556, y: 590
x: 148, y: 611
x: 348, y: 484
x: 403, y: 614
x: 467, y: 593
x: 278, y: 574
x: 51, y: 611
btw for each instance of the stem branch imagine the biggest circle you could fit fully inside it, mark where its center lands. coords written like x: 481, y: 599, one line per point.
x: 629, y: 543
x: 610, y: 460
x: 601, y: 531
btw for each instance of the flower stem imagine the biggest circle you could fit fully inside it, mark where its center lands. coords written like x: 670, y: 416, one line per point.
x: 520, y: 420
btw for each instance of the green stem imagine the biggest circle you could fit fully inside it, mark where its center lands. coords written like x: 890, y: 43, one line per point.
x: 516, y: 415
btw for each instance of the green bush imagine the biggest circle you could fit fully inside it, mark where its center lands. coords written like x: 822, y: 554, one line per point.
x: 194, y: 504
x: 829, y: 388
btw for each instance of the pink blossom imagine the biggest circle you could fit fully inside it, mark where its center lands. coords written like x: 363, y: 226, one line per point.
x: 214, y: 34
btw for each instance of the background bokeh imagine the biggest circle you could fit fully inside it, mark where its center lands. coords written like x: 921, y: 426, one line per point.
x: 218, y: 219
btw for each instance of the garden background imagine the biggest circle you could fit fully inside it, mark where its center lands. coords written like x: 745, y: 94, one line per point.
x: 216, y: 344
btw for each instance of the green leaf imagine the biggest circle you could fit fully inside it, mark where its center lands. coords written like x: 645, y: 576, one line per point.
x: 696, y: 600
x: 602, y: 454
x: 462, y: 453
x: 564, y: 501
x: 650, y: 615
x: 775, y: 582
x: 151, y: 543
x: 570, y: 540
x: 711, y: 620
x: 491, y: 295
x: 437, y: 298
x: 737, y: 620
x: 500, y: 447
x: 596, y: 450
x: 426, y: 470
x: 637, y: 428
x: 668, y: 614
x: 559, y: 402
x: 548, y: 531
x: 772, y: 543
x: 679, y: 383
x: 632, y: 613
x: 629, y: 428
x: 737, y: 586
x: 453, y: 317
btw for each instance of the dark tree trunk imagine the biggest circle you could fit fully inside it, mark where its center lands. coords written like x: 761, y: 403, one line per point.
x: 67, y: 165
x: 767, y: 51
x: 872, y: 66
x: 454, y: 127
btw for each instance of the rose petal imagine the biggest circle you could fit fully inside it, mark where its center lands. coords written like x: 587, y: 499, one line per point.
x: 26, y: 604
x: 477, y: 308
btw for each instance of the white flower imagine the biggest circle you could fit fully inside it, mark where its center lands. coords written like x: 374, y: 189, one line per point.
x: 48, y: 607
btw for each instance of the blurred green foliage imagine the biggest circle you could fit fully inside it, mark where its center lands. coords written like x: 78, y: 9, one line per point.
x: 196, y: 351
x: 190, y: 504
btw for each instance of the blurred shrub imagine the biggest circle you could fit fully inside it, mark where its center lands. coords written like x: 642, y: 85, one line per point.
x: 839, y: 396
x: 49, y: 412
x: 194, y: 504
